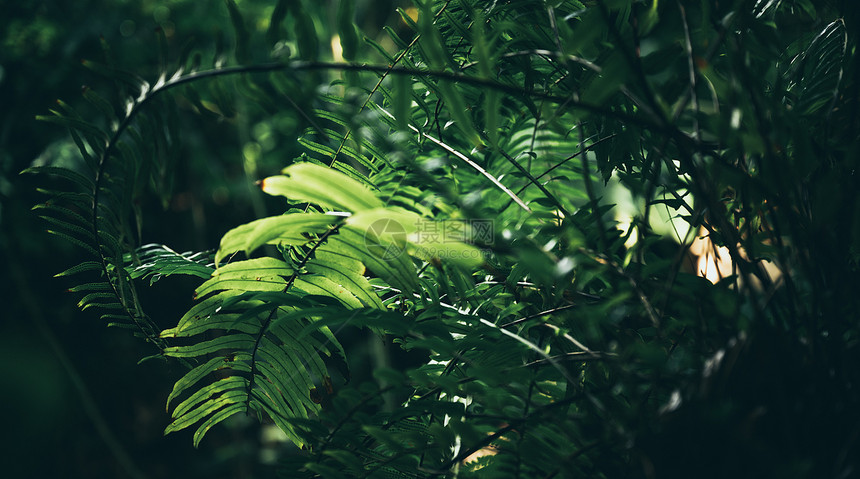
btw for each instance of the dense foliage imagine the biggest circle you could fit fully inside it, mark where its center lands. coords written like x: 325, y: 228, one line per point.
x: 615, y: 238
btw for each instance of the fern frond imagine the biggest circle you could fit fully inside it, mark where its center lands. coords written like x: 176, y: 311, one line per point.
x: 258, y: 339
x: 289, y: 229
x: 264, y: 310
x: 155, y: 261
x: 322, y: 186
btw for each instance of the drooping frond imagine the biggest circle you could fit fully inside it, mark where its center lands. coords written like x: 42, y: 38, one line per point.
x: 257, y: 309
x: 155, y: 261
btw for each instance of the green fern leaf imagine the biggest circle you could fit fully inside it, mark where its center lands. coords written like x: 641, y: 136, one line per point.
x: 207, y: 400
x: 215, y: 419
x: 191, y: 378
x: 325, y: 286
x: 821, y: 68
x: 199, y: 318
x: 230, y: 342
x: 75, y: 241
x: 383, y: 259
x: 85, y: 183
x: 80, y: 268
x: 68, y: 228
x: 289, y: 229
x: 335, y: 262
x: 158, y: 261
x: 96, y: 299
x: 261, y: 274
x: 76, y: 124
x: 129, y: 78
x: 90, y: 287
x: 285, y: 370
x: 322, y: 186
x: 262, y: 339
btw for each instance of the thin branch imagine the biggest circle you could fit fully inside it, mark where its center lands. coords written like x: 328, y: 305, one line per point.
x: 576, y: 356
x: 558, y: 55
x: 582, y: 151
x: 691, y: 66
x: 538, y: 315
x: 589, y: 190
x: 535, y: 182
x: 469, y: 162
x: 564, y: 372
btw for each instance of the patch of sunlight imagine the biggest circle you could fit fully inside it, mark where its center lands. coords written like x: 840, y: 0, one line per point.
x: 336, y: 48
